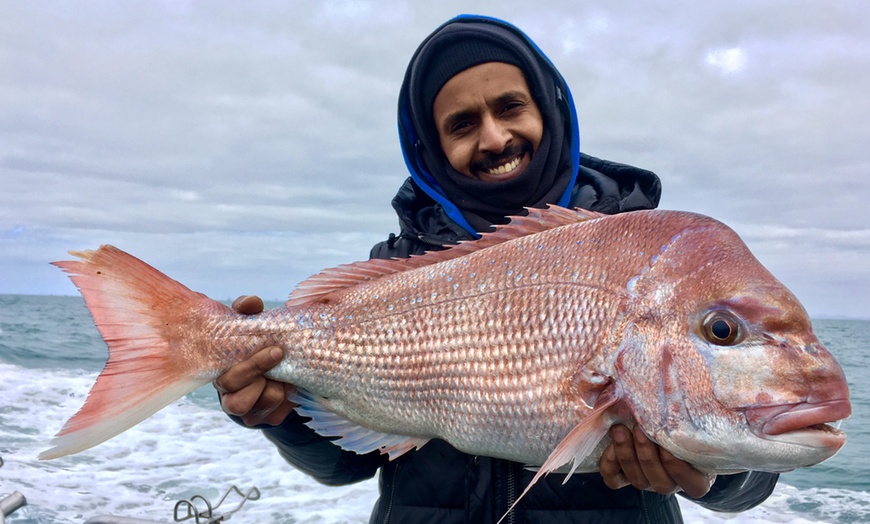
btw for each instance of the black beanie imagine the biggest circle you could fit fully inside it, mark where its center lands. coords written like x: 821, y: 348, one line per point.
x: 458, y: 56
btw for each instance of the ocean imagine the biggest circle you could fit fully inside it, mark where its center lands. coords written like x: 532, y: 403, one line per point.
x: 50, y: 354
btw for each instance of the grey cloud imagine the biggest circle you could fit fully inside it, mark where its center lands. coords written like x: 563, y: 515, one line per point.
x: 236, y: 146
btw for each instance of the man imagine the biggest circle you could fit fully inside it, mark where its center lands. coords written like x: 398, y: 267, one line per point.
x: 488, y: 127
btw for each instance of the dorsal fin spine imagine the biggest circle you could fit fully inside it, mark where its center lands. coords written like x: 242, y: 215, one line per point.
x: 318, y: 287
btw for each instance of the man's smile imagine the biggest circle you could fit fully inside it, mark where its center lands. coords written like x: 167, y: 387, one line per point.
x: 505, y: 165
x: 504, y: 168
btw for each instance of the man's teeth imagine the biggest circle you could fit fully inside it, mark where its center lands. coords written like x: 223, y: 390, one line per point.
x: 504, y: 168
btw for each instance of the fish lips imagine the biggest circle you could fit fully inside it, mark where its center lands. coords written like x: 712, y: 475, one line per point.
x: 803, y: 423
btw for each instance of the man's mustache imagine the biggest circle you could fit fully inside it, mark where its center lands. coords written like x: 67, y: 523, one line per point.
x: 493, y: 160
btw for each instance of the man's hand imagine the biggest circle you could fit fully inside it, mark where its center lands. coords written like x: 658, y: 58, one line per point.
x: 243, y: 389
x: 634, y: 459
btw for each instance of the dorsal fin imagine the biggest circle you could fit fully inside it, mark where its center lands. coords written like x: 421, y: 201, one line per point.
x: 319, y: 286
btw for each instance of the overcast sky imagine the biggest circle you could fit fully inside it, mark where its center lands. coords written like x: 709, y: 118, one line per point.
x: 240, y: 147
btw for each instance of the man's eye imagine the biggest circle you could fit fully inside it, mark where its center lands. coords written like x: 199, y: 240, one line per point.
x: 512, y: 106
x: 459, y: 127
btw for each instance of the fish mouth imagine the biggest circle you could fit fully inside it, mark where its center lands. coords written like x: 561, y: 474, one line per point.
x: 804, y: 423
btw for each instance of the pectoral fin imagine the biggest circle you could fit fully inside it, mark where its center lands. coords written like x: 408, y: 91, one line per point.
x: 579, y: 442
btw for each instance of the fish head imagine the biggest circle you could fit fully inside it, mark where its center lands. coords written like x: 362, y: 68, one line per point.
x: 735, y: 379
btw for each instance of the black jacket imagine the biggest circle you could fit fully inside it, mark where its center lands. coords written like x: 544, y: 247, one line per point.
x: 439, y: 484
x: 602, y: 185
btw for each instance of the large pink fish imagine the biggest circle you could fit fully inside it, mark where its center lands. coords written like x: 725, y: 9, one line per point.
x: 525, y: 345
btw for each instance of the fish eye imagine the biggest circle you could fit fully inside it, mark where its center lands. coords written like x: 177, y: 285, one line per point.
x: 722, y: 328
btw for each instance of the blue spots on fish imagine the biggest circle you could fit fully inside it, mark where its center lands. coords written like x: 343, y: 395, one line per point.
x: 632, y: 282
x: 303, y: 320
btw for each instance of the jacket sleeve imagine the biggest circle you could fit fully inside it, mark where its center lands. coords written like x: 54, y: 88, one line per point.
x: 317, y: 456
x: 739, y: 492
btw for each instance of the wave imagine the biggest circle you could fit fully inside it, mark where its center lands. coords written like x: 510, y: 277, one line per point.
x: 192, y: 448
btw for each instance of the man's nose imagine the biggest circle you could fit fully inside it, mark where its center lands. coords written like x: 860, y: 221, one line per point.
x: 494, y: 135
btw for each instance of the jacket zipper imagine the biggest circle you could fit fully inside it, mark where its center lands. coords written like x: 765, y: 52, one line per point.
x: 645, y: 508
x: 471, y: 477
x: 511, y: 494
x: 392, y: 494
x: 431, y: 242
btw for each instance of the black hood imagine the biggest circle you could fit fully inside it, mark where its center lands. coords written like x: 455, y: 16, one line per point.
x: 602, y: 185
x: 475, y: 205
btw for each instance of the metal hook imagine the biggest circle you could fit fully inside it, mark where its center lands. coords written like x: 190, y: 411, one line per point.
x: 209, y: 513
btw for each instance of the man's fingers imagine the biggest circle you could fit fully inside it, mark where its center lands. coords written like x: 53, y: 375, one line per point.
x: 279, y: 407
x: 610, y: 470
x: 624, y: 448
x: 654, y: 472
x: 694, y: 483
x: 634, y: 459
x: 246, y: 371
x: 242, y: 401
x: 248, y: 305
x: 269, y: 401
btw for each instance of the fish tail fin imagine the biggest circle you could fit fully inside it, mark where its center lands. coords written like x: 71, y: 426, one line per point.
x: 146, y: 320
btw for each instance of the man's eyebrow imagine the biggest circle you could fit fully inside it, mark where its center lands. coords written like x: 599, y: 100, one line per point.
x: 508, y: 96
x: 454, y: 118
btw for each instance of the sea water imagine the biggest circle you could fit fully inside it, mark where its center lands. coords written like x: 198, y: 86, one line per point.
x: 50, y: 354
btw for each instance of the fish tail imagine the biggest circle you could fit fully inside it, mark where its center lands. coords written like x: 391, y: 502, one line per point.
x: 146, y: 320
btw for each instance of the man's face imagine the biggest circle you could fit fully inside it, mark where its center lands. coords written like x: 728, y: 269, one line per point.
x: 488, y: 122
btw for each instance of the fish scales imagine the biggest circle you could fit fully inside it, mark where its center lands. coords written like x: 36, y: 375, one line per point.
x: 474, y: 351
x: 527, y: 345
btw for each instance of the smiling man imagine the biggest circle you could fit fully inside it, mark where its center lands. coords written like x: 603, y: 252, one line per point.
x: 488, y: 127
x: 489, y: 124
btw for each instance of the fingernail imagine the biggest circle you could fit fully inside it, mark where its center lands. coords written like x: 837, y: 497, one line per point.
x: 618, y: 435
x: 276, y: 353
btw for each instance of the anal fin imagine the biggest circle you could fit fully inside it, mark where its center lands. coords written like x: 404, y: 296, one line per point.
x: 352, y: 436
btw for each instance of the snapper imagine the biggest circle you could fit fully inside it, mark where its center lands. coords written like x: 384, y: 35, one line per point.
x: 527, y: 345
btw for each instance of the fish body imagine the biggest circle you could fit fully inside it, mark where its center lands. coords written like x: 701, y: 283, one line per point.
x: 527, y: 345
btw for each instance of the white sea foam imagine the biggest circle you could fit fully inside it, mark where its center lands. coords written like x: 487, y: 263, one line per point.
x: 184, y: 450
x: 190, y: 448
x: 793, y: 505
